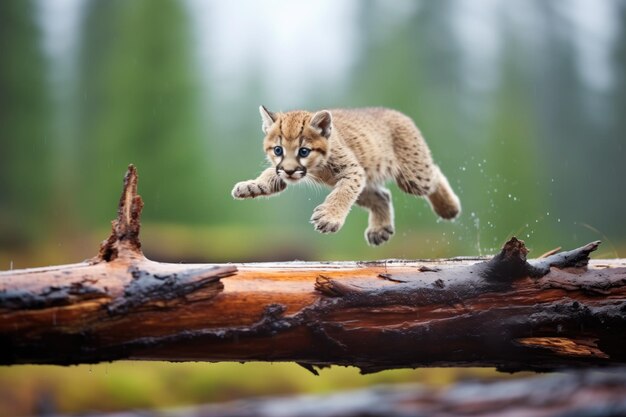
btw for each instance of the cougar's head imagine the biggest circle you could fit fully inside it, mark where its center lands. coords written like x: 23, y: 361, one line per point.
x: 296, y: 142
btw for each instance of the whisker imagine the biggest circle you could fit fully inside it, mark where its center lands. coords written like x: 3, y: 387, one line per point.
x: 308, y: 181
x: 315, y: 185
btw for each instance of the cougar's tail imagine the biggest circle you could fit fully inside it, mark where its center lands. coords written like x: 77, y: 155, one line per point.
x: 443, y: 200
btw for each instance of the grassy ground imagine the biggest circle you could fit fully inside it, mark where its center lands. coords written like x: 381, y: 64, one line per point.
x: 31, y: 390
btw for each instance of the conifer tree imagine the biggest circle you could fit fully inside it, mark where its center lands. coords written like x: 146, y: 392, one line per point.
x: 24, y: 125
x: 139, y: 102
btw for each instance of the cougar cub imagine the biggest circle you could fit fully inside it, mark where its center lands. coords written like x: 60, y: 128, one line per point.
x: 355, y: 152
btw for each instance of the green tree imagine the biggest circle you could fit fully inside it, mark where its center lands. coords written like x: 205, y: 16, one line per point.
x: 512, y: 198
x: 615, y: 153
x: 138, y: 102
x: 24, y: 125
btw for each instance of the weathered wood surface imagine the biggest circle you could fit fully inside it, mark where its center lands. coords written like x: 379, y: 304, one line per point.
x: 579, y: 394
x: 551, y: 313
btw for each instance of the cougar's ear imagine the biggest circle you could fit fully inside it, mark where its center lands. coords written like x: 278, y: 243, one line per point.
x: 322, y: 122
x: 268, y: 119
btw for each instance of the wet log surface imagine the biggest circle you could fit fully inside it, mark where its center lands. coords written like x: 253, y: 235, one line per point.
x: 560, y: 311
x: 577, y: 394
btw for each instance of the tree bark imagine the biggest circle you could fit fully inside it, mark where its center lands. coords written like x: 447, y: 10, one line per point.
x: 556, y: 312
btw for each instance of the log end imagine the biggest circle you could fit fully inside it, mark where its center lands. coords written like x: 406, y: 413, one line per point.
x: 511, y: 263
x: 576, y: 259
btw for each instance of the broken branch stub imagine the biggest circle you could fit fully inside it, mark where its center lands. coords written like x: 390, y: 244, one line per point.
x: 124, y: 236
x: 57, y: 314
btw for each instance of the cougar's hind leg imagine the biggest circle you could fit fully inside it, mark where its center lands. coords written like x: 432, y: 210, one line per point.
x: 442, y: 199
x: 378, y: 202
x: 415, y: 173
x: 418, y: 175
x: 432, y: 184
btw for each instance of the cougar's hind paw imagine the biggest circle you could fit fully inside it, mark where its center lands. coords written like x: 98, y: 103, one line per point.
x: 378, y: 235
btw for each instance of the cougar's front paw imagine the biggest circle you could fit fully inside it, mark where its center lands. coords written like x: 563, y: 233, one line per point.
x: 378, y: 235
x: 327, y: 220
x: 249, y: 189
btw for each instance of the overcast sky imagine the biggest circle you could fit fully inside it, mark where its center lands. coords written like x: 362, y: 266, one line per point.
x: 303, y: 43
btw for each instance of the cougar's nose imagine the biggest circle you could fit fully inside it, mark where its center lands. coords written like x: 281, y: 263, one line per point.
x: 289, y: 171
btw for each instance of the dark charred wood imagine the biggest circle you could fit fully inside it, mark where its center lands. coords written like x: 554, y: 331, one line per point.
x: 559, y: 311
x: 433, y: 286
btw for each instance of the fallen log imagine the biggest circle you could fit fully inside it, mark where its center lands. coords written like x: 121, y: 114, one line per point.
x: 556, y: 312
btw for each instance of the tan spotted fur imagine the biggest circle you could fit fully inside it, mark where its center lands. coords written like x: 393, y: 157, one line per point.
x: 355, y: 152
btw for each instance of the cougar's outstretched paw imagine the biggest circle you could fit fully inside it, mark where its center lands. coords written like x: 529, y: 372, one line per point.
x: 249, y: 189
x: 326, y: 220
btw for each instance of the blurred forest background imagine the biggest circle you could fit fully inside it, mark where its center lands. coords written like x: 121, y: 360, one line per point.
x: 522, y: 103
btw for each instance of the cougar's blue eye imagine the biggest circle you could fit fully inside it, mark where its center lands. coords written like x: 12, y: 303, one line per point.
x: 278, y: 150
x: 303, y: 152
